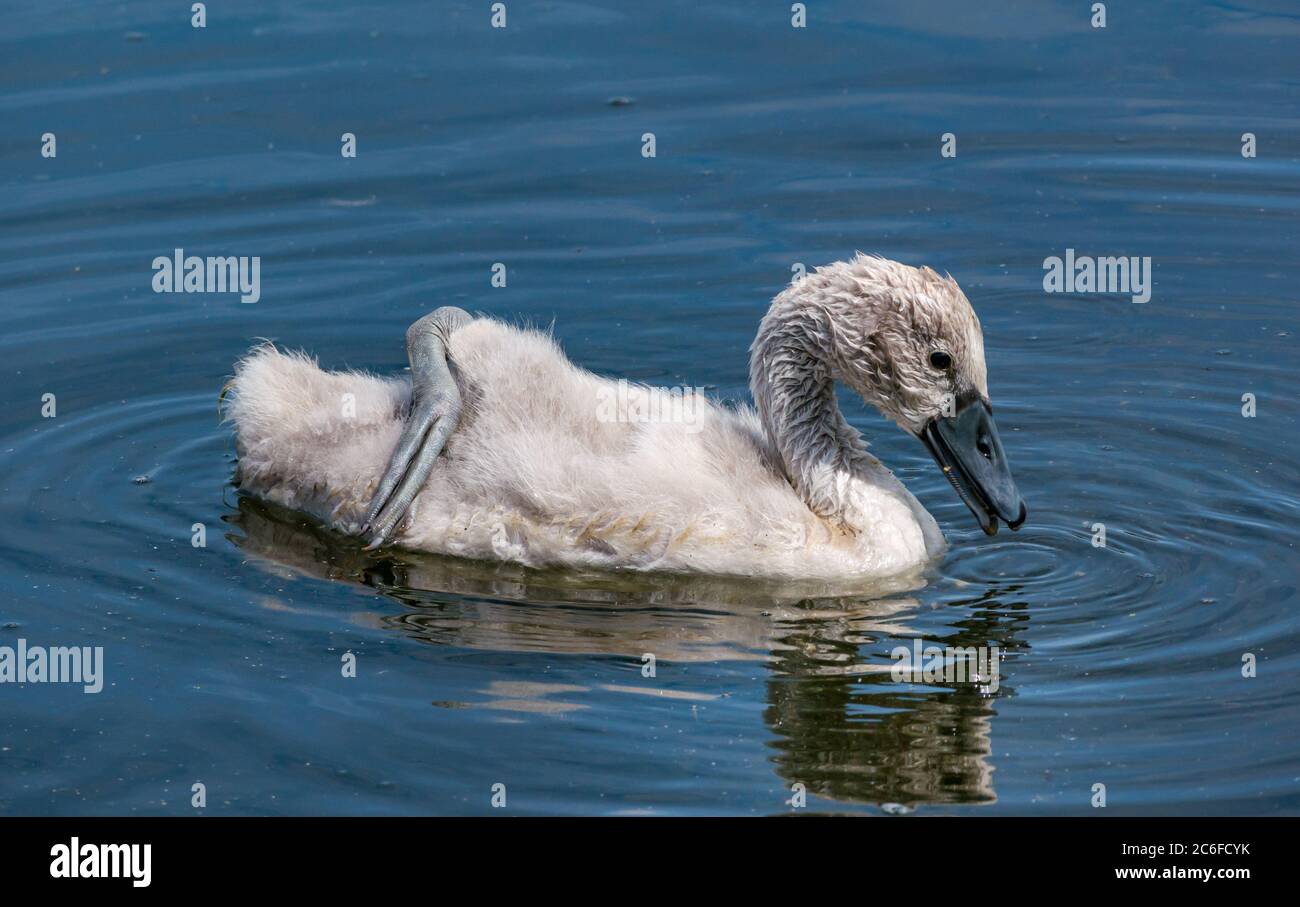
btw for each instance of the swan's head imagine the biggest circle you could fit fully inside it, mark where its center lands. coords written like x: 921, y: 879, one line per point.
x: 908, y: 341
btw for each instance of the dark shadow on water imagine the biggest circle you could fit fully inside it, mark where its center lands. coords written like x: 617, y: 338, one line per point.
x: 841, y: 725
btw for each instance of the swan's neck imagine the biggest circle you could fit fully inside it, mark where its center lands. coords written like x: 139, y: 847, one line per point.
x: 792, y: 378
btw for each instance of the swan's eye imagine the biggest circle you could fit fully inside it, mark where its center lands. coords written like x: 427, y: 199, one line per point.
x: 941, y: 360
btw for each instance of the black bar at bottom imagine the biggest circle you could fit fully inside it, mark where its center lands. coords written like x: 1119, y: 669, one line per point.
x: 338, y: 856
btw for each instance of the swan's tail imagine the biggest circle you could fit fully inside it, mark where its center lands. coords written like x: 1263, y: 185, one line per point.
x: 312, y: 440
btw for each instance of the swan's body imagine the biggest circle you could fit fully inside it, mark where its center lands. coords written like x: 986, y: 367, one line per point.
x: 532, y: 475
x: 549, y: 464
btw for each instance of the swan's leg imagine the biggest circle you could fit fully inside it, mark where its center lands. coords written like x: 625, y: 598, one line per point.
x: 435, y: 410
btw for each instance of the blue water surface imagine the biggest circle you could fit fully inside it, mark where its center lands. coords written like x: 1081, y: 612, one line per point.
x: 1121, y: 665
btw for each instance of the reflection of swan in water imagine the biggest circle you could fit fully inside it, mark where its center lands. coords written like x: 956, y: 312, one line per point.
x: 879, y: 742
x: 507, y: 607
x: 841, y: 727
x: 499, y: 448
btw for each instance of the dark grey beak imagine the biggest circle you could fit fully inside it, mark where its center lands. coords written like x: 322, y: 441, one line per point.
x: 967, y: 447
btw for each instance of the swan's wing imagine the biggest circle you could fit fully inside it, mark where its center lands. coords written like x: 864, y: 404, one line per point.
x: 435, y: 411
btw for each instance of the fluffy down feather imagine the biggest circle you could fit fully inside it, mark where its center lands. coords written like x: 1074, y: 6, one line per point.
x: 542, y: 471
